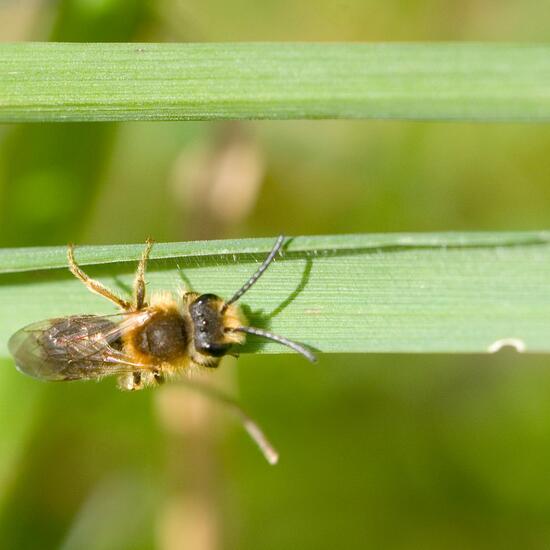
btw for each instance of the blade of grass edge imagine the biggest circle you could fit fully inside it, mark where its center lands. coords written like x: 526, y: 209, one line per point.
x: 454, y: 292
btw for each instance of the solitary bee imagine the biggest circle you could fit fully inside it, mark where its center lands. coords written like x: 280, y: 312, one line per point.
x: 151, y: 340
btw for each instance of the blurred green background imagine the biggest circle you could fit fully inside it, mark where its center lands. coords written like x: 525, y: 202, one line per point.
x: 377, y: 451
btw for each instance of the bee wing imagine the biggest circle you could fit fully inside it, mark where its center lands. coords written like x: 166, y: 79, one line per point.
x: 78, y: 347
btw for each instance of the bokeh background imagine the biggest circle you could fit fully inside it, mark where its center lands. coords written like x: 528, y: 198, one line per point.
x: 379, y: 451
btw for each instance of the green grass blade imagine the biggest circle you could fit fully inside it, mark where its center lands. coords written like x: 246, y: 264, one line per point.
x: 448, y: 292
x: 460, y: 81
x: 20, y: 407
x: 14, y: 260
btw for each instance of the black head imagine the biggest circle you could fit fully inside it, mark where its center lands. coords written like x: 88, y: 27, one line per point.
x: 207, y: 317
x: 207, y: 313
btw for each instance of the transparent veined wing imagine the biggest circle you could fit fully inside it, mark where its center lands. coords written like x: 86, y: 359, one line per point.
x: 79, y: 347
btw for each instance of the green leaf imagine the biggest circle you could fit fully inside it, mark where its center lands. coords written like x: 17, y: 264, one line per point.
x: 461, y: 81
x: 19, y: 407
x: 449, y: 292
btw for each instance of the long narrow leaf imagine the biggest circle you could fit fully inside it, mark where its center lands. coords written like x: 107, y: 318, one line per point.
x: 61, y: 82
x: 455, y: 292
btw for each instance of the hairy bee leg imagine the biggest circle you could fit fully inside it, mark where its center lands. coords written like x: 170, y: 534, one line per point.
x: 92, y: 284
x: 189, y: 297
x: 249, y: 424
x: 131, y: 381
x: 158, y: 377
x: 139, y: 281
x: 204, y: 361
x: 137, y: 380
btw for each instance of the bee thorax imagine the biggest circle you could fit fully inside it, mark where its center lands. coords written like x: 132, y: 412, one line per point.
x: 163, y: 338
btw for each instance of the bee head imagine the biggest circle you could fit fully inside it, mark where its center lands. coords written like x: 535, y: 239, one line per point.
x: 208, y: 325
x: 217, y: 323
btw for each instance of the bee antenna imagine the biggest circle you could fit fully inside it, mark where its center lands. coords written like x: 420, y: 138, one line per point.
x: 280, y: 339
x: 259, y: 272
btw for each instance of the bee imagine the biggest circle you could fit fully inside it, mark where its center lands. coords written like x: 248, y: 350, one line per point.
x: 149, y: 341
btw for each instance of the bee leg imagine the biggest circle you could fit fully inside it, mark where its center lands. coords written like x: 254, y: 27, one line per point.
x: 133, y: 381
x: 158, y: 377
x: 137, y: 380
x: 253, y: 429
x: 189, y: 297
x: 92, y: 284
x: 139, y: 281
x: 207, y: 361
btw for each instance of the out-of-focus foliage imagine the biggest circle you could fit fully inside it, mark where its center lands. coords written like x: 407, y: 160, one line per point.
x: 377, y: 451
